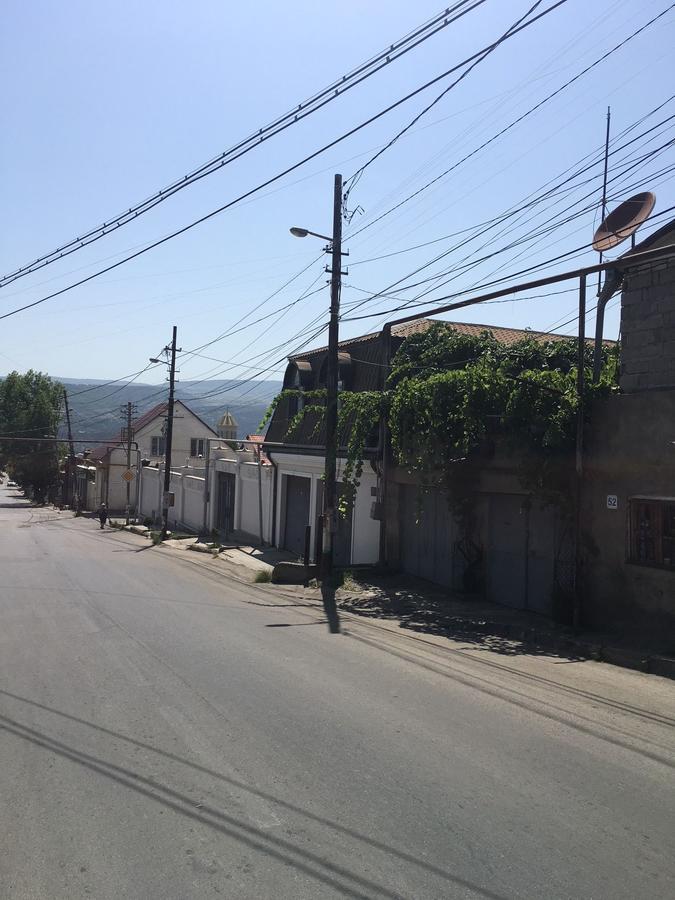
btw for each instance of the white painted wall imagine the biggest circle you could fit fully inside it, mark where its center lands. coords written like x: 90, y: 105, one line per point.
x: 116, y: 488
x: 249, y: 502
x: 187, y: 485
x: 193, y: 502
x: 150, y: 493
x: 365, y: 531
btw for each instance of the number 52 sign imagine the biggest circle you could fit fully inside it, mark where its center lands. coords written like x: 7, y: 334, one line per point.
x: 612, y: 501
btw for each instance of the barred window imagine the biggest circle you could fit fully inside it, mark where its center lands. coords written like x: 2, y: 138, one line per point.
x: 652, y: 532
x: 157, y: 446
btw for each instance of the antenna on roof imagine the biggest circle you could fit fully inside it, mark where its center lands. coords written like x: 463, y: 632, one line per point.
x: 620, y: 224
x: 623, y: 221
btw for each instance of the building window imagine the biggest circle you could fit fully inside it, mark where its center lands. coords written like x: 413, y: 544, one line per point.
x: 652, y: 532
x: 158, y: 446
x: 296, y: 403
x: 197, y: 446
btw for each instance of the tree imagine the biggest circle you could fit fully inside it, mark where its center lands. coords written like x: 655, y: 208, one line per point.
x: 30, y: 407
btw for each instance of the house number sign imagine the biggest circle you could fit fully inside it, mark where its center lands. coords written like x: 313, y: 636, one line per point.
x: 612, y: 501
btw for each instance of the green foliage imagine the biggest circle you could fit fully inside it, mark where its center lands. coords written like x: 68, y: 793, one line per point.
x: 263, y: 576
x: 30, y: 407
x: 454, y: 397
x: 451, y: 398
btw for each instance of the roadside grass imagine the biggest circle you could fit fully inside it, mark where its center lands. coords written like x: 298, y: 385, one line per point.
x: 263, y: 576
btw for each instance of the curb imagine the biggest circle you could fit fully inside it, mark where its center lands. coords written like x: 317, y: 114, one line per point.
x: 561, y: 643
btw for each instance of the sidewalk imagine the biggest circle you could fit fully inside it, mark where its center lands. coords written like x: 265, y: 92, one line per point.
x: 420, y: 607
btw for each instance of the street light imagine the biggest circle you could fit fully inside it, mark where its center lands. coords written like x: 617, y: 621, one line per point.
x: 330, y: 479
x: 303, y: 232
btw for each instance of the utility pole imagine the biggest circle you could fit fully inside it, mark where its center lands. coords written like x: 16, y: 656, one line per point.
x: 577, y: 608
x: 71, y: 450
x: 332, y: 371
x: 128, y: 413
x: 169, y: 435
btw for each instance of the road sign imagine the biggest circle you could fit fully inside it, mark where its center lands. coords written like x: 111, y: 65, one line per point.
x: 128, y: 476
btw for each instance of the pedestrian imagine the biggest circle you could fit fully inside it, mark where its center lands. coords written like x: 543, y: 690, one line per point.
x: 102, y: 514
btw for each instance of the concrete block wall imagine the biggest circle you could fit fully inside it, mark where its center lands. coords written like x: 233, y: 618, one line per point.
x: 648, y: 328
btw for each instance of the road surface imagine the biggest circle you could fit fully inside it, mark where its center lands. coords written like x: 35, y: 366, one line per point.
x: 165, y: 733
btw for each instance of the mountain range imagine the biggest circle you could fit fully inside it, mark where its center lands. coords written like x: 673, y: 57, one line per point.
x: 96, y: 406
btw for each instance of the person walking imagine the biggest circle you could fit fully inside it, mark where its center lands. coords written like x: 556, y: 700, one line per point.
x: 102, y: 514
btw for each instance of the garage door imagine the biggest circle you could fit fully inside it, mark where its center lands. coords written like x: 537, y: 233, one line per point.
x: 427, y: 535
x: 521, y: 554
x: 297, y: 513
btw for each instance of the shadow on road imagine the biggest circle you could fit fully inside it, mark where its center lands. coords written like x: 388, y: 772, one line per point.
x: 311, y: 864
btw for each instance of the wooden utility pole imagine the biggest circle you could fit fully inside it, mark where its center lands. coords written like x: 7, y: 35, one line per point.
x: 71, y: 452
x: 169, y: 435
x: 332, y: 371
x: 128, y: 413
x: 579, y: 455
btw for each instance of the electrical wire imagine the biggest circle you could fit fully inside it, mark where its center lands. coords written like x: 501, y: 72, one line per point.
x: 517, y: 120
x: 253, y: 190
x: 301, y: 111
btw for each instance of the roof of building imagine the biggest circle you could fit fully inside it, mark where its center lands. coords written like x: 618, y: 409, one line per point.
x: 405, y: 329
x: 257, y: 439
x: 227, y: 420
x: 150, y: 416
x: 159, y: 410
x: 655, y: 239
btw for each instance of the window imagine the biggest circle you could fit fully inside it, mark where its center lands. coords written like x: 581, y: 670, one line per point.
x: 197, y: 446
x: 158, y: 446
x: 296, y: 403
x: 652, y: 532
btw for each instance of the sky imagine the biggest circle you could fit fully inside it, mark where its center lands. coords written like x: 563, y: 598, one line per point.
x: 103, y: 104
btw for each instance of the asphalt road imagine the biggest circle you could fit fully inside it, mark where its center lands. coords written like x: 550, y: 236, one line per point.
x: 165, y: 733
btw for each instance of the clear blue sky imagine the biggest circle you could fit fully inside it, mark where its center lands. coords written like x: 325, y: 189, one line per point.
x: 104, y: 103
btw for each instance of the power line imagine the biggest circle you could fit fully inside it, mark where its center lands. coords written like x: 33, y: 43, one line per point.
x: 255, y: 189
x: 302, y: 110
x: 516, y: 121
x: 353, y: 180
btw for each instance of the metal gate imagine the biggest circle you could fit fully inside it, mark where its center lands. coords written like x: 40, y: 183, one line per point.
x: 428, y: 532
x: 521, y: 553
x: 225, y: 504
x: 297, y: 513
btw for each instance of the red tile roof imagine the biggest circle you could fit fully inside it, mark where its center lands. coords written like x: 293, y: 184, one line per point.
x: 503, y: 335
x: 257, y: 439
x: 149, y: 416
x: 405, y: 329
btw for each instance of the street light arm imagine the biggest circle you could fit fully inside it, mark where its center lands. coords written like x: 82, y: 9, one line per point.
x: 304, y: 232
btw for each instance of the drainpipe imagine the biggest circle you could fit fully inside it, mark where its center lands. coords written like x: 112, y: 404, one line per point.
x: 613, y: 281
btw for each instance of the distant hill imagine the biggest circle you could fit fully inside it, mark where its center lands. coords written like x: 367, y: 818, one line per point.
x: 96, y: 412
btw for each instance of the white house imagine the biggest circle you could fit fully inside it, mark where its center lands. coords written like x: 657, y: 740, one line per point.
x: 189, y: 440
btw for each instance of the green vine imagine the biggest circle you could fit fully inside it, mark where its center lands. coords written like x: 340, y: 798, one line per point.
x: 451, y: 399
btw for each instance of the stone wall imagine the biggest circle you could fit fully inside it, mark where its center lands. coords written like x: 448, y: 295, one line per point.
x: 648, y: 328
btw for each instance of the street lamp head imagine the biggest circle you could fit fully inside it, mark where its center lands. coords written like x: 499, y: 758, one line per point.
x: 153, y: 360
x: 299, y: 232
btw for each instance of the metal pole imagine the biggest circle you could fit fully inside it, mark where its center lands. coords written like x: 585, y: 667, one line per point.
x: 169, y: 436
x: 579, y: 458
x: 604, y: 188
x: 330, y: 483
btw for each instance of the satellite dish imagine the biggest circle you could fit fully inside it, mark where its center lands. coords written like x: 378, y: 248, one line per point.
x: 623, y: 221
